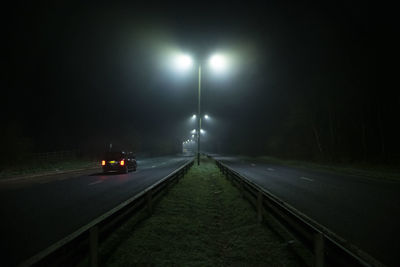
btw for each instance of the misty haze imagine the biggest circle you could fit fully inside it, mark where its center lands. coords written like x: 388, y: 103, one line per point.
x: 197, y: 134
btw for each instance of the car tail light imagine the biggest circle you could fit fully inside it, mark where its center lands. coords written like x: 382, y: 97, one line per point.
x: 103, y: 163
x: 122, y: 162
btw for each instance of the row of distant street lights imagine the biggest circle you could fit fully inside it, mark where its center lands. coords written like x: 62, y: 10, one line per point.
x: 194, y: 134
x: 194, y: 131
x: 218, y: 63
x: 205, y: 117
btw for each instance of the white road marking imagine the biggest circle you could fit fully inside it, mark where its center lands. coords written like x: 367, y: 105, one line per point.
x: 153, y: 166
x: 97, y: 182
x: 270, y: 169
x: 308, y: 179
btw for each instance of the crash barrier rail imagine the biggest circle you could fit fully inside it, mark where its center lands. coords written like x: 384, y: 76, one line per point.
x: 327, y: 247
x: 74, y: 247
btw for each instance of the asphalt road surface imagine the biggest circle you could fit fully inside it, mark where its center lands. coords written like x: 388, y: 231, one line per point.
x: 36, y: 213
x: 364, y: 211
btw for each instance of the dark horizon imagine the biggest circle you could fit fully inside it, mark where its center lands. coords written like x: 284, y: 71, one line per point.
x: 81, y: 76
x: 300, y: 124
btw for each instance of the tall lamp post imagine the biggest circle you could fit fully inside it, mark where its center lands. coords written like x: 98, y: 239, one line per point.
x: 199, y: 118
x: 217, y: 62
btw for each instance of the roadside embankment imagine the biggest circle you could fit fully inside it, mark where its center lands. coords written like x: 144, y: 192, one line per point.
x: 41, y: 169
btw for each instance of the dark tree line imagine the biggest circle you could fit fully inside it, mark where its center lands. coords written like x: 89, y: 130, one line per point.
x: 19, y: 145
x: 340, y: 126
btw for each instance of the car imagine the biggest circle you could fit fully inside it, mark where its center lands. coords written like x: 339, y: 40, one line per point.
x: 119, y: 161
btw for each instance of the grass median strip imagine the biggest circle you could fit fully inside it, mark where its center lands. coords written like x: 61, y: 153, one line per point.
x: 202, y: 221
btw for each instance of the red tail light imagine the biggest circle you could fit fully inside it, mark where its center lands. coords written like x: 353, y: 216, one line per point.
x: 122, y: 162
x: 103, y: 163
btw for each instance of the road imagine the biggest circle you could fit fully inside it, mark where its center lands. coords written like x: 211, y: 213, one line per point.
x: 363, y: 210
x: 35, y: 214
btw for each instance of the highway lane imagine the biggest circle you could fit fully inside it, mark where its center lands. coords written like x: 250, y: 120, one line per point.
x: 363, y: 210
x: 37, y: 214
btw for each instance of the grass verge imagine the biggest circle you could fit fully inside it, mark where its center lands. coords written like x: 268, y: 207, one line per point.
x: 202, y: 221
x: 39, y: 167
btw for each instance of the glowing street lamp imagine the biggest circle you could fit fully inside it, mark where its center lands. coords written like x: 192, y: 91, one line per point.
x: 206, y: 117
x: 219, y: 64
x: 183, y: 62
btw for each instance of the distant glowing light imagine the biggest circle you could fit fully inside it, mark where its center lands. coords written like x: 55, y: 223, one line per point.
x: 193, y: 131
x: 202, y: 131
x: 206, y: 117
x: 183, y: 62
x: 122, y: 162
x: 218, y: 62
x: 194, y: 116
x: 103, y: 163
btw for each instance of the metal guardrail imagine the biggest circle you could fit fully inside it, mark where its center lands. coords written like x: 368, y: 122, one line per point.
x: 69, y: 250
x: 327, y: 247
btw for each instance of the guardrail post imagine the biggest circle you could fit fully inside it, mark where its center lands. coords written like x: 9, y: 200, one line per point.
x: 149, y: 197
x: 318, y: 249
x: 230, y: 176
x: 94, y: 241
x: 241, y: 188
x: 260, y: 206
x: 179, y: 175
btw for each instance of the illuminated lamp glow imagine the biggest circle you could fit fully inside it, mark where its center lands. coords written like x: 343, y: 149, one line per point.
x: 122, y: 162
x: 218, y: 62
x: 183, y: 62
x: 103, y: 163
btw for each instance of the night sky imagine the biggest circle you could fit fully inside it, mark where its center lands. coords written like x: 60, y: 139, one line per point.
x: 81, y: 75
